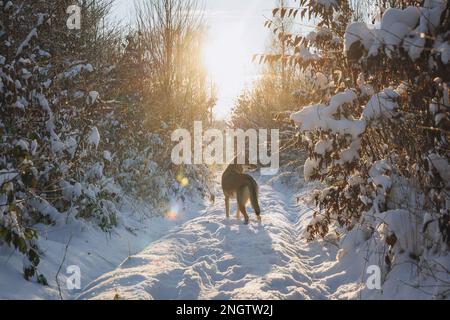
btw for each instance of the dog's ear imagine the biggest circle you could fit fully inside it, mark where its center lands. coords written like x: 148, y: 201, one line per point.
x: 250, y: 167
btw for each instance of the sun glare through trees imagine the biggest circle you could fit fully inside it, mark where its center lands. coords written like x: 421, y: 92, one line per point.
x: 225, y: 150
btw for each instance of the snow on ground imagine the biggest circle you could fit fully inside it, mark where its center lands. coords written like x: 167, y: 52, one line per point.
x: 199, y: 254
x: 210, y: 257
x: 92, y: 250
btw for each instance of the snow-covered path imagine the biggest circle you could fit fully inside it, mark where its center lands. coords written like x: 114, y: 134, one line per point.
x: 209, y: 257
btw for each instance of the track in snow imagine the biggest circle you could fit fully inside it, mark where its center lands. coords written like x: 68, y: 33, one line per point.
x: 210, y: 257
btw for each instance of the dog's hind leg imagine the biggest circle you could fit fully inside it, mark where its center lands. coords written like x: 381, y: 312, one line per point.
x: 227, y: 206
x: 244, y: 212
x: 238, y: 213
x: 242, y: 200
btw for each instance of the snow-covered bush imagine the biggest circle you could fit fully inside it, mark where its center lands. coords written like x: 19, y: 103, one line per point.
x: 378, y: 139
x: 49, y: 159
x: 74, y: 137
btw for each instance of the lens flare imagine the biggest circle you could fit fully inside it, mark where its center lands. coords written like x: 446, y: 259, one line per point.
x: 171, y: 215
x: 175, y: 210
x: 182, y: 180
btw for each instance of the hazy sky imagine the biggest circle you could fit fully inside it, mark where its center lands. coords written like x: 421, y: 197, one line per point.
x: 236, y: 32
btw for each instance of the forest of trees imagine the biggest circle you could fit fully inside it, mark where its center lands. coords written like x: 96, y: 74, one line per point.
x: 84, y: 113
x: 383, y: 167
x: 360, y: 89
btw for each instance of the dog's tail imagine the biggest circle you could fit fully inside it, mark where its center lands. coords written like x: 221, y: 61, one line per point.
x: 253, y: 188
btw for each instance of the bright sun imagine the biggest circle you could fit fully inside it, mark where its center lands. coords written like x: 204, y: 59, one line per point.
x: 228, y: 61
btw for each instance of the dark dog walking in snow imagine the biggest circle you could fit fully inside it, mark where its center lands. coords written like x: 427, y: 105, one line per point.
x: 236, y: 184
